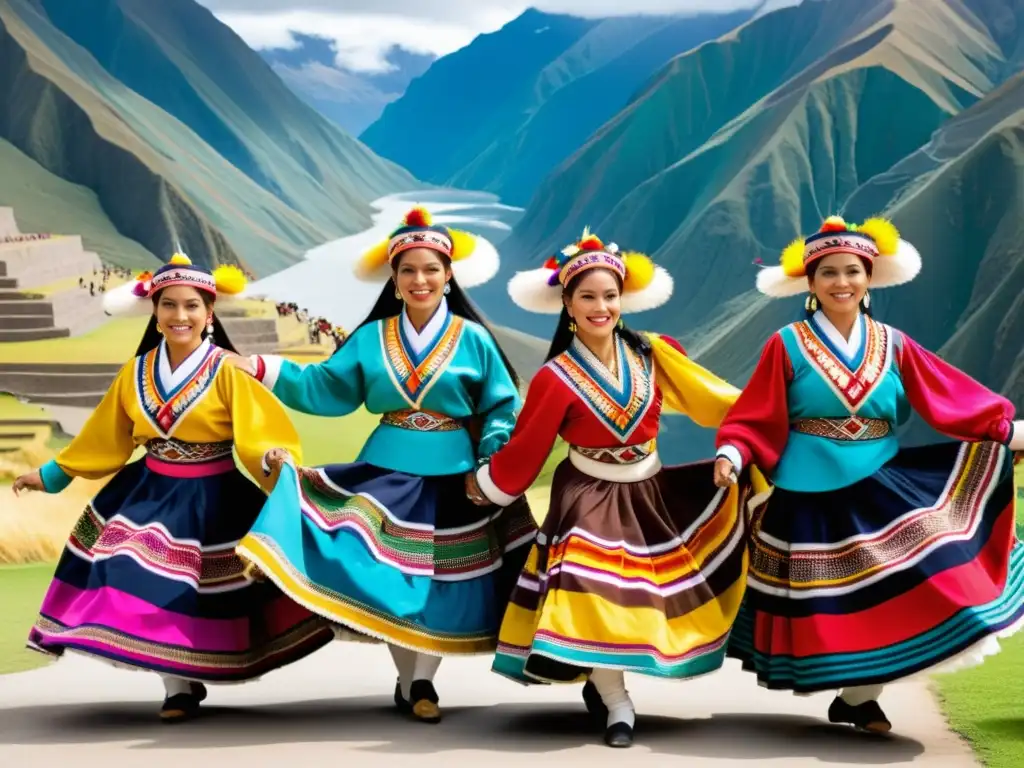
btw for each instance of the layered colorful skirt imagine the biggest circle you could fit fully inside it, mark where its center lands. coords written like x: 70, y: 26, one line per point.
x: 149, y: 579
x: 640, y: 576
x: 914, y: 568
x: 390, y: 556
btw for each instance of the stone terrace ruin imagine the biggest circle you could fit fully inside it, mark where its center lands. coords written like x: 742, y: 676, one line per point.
x: 60, y: 307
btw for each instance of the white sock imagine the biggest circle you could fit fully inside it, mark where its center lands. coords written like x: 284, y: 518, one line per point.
x: 426, y: 667
x: 860, y: 694
x: 611, y: 684
x: 175, y: 685
x: 405, y: 663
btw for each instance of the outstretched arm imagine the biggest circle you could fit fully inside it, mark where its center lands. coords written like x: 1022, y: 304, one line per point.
x: 756, y: 428
x: 953, y: 403
x: 334, y: 387
x: 513, y: 468
x: 687, y: 387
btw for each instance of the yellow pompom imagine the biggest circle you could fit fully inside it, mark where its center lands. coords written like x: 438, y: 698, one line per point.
x: 180, y: 259
x: 373, y: 259
x: 792, y: 260
x: 463, y: 244
x: 230, y: 280
x: 884, y: 233
x: 639, y: 271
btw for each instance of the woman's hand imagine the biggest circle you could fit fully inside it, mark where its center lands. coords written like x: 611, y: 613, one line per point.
x: 275, y: 459
x: 33, y: 481
x: 242, y: 363
x: 725, y: 472
x: 473, y: 491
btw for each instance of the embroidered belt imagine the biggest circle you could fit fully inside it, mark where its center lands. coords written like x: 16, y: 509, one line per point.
x: 626, y: 454
x: 850, y: 428
x: 178, y: 452
x: 420, y: 421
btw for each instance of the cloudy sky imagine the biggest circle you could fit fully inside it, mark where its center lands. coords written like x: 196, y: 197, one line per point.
x: 364, y: 30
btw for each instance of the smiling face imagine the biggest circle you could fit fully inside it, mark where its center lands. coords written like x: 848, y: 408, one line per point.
x: 840, y: 282
x: 594, y: 303
x: 182, y: 314
x: 420, y: 277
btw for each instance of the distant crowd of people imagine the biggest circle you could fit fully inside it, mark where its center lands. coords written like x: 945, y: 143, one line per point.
x: 316, y: 327
x: 26, y: 238
x: 100, y: 278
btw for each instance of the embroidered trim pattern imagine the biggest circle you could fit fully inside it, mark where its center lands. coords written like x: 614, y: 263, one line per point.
x: 852, y: 428
x: 620, y: 412
x: 627, y: 454
x: 420, y: 421
x: 166, y: 415
x: 179, y: 452
x: 414, y: 380
x: 853, y: 388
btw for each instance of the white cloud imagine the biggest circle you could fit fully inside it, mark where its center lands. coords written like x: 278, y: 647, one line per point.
x: 364, y: 30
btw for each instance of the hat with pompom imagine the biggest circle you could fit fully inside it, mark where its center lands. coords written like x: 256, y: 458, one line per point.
x: 224, y: 283
x: 644, y: 285
x: 474, y: 260
x: 877, y: 241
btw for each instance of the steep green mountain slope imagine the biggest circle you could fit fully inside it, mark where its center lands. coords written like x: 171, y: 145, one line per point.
x: 528, y: 95
x: 753, y: 139
x: 47, y: 202
x: 183, y: 132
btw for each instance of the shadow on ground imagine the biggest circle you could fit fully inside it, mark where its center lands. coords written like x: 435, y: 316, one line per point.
x: 372, y: 723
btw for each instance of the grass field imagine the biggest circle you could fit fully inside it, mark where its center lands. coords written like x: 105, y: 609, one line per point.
x: 21, y: 590
x: 985, y: 705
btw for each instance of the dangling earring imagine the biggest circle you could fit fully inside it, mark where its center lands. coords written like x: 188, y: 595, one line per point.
x: 159, y: 330
x: 572, y: 326
x: 866, y: 301
x: 811, y: 303
x: 209, y: 326
x: 447, y: 288
x: 622, y: 323
x: 398, y: 293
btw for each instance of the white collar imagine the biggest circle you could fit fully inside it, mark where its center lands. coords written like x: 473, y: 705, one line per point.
x: 419, y: 341
x: 849, y: 347
x: 170, y: 379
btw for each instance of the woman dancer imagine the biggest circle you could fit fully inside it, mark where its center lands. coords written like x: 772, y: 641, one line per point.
x: 389, y: 546
x: 868, y: 563
x: 149, y: 578
x: 637, y: 567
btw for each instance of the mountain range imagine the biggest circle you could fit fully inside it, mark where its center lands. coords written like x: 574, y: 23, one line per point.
x: 177, y: 131
x: 349, y: 98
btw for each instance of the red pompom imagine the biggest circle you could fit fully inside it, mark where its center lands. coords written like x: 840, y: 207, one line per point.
x: 551, y: 263
x: 834, y: 224
x: 417, y: 217
x: 591, y: 243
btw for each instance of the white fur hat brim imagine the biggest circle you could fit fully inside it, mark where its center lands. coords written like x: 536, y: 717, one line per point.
x: 886, y: 271
x: 124, y: 302
x: 476, y: 269
x: 530, y: 291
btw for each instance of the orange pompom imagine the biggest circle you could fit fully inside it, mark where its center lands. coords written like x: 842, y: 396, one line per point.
x: 591, y: 243
x: 417, y: 217
x: 834, y: 224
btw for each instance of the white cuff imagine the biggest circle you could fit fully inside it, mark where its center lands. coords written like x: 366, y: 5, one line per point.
x: 731, y: 453
x: 493, y: 493
x: 1017, y: 438
x: 271, y: 369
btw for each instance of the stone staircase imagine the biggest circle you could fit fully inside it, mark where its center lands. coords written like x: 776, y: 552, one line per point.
x: 73, y: 384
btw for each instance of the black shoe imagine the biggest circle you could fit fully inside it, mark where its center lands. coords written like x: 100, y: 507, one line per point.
x: 199, y: 691
x: 179, y: 708
x: 865, y: 717
x: 423, y: 699
x: 618, y: 735
x: 594, y: 702
x: 403, y: 706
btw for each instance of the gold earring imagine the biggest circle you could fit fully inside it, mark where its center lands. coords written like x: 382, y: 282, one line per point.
x: 866, y: 301
x: 622, y: 323
x: 572, y: 326
x: 811, y: 303
x: 398, y: 294
x: 160, y: 330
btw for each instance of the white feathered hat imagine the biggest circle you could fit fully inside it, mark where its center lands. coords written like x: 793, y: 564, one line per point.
x: 474, y: 260
x: 893, y: 261
x: 644, y: 285
x: 225, y: 283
